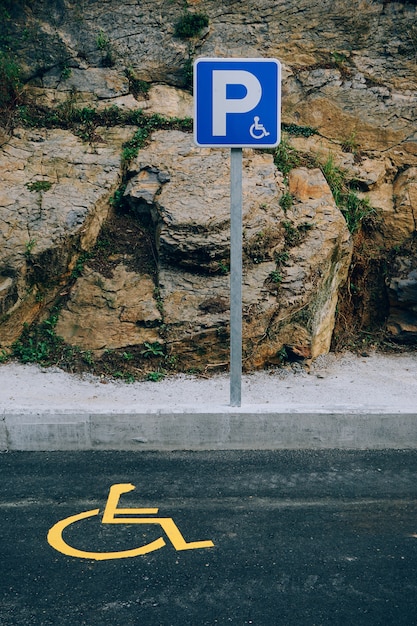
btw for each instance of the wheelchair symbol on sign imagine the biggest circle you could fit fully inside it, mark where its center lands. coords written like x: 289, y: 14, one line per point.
x: 257, y: 130
x: 56, y: 540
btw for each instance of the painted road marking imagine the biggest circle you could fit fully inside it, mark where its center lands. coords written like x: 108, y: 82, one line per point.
x: 56, y: 540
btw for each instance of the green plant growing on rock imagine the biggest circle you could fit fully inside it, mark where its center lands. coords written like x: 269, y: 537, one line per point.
x: 258, y: 248
x: 171, y: 361
x: 84, y: 121
x: 66, y: 72
x: 335, y: 178
x: 152, y: 350
x: 286, y: 201
x: 223, y: 267
x: 276, y: 277
x: 39, y: 343
x: 286, y: 157
x: 291, y: 234
x: 87, y: 357
x: 29, y: 246
x: 299, y: 131
x: 103, y: 44
x: 131, y: 148
x: 350, y: 144
x: 147, y: 125
x: 127, y: 377
x: 341, y: 62
x: 10, y: 83
x: 156, y: 376
x: 282, y: 355
x: 339, y: 58
x: 102, y: 41
x: 39, y: 185
x: 282, y: 258
x: 79, y: 264
x: 189, y: 69
x: 117, y: 199
x: 190, y: 25
x: 354, y: 208
x: 136, y: 85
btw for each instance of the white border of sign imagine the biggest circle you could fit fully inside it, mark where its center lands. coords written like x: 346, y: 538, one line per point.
x: 278, y: 101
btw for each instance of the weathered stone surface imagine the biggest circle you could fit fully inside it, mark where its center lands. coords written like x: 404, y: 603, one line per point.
x: 402, y: 290
x: 322, y: 258
x: 398, y: 203
x: 305, y: 251
x: 196, y: 312
x: 349, y: 71
x: 105, y: 91
x: 309, y: 185
x: 366, y: 172
x: 390, y: 187
x: 169, y: 101
x: 349, y: 67
x: 110, y: 313
x: 104, y: 83
x: 8, y: 294
x: 190, y: 189
x: 54, y: 192
x: 405, y: 196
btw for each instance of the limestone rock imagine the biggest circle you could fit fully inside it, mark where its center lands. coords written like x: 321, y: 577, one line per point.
x: 349, y: 72
x: 307, y: 185
x: 189, y: 189
x: 402, y: 290
x: 405, y: 194
x: 369, y: 173
x: 54, y: 193
x: 294, y: 262
x: 168, y: 101
x: 349, y: 68
x: 110, y: 313
x: 322, y: 256
x: 105, y: 83
x: 398, y: 203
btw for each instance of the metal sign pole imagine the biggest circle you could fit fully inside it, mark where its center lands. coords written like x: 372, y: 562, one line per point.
x: 223, y: 118
x: 235, y: 276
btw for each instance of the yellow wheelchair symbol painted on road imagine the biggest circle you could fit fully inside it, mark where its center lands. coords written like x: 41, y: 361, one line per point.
x: 56, y: 540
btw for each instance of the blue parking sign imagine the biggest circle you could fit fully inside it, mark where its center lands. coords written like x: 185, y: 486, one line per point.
x: 237, y: 103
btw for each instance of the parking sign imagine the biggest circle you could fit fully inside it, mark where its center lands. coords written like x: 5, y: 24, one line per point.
x: 237, y: 103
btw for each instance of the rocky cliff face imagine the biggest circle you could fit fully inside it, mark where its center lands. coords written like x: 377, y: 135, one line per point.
x: 109, y: 208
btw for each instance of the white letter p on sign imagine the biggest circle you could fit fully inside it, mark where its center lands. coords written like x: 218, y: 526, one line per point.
x: 223, y: 105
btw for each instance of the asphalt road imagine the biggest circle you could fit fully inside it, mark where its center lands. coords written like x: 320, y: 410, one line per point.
x: 300, y: 538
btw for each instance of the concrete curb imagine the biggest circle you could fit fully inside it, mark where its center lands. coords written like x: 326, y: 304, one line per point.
x: 225, y: 428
